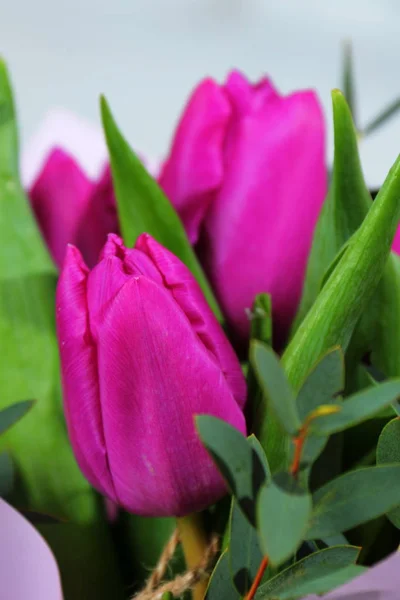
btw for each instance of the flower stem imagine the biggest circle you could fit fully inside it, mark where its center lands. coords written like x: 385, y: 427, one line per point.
x: 257, y: 579
x: 195, y: 545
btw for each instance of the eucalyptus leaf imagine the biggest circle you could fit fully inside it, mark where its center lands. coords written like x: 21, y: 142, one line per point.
x: 238, y: 462
x: 142, y: 205
x: 283, y: 511
x: 13, y: 413
x: 388, y: 451
x: 245, y: 553
x: 220, y: 585
x: 307, y: 571
x: 354, y: 498
x: 275, y: 386
x: 358, y: 408
x: 323, y: 385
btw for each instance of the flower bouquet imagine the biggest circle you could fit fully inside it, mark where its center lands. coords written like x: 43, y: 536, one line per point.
x: 200, y: 366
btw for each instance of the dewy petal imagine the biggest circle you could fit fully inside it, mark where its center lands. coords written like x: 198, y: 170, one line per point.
x: 79, y: 374
x: 194, y: 168
x: 154, y: 378
x: 27, y: 566
x: 59, y: 197
x: 185, y: 290
x: 260, y: 225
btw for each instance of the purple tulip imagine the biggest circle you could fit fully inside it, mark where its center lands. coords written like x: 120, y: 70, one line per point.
x: 70, y: 208
x: 141, y: 354
x: 247, y: 174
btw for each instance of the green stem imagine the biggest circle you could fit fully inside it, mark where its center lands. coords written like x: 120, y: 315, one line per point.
x: 194, y: 543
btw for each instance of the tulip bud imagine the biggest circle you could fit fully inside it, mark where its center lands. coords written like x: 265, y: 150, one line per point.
x: 247, y: 174
x: 141, y: 355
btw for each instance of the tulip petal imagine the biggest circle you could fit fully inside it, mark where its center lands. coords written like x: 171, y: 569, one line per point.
x: 59, y: 197
x: 27, y: 566
x: 271, y: 197
x: 79, y: 374
x: 155, y: 375
x: 194, y: 168
x: 187, y: 293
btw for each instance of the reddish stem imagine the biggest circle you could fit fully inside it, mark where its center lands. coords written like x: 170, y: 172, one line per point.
x: 257, y: 579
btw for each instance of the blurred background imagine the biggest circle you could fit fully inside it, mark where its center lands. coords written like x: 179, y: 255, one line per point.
x: 146, y: 55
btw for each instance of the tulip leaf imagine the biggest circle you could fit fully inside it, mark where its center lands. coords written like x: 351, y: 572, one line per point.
x: 237, y: 460
x: 245, y: 554
x: 142, y: 205
x: 221, y: 585
x: 13, y: 413
x: 6, y: 474
x: 283, y: 511
x: 348, y: 78
x: 345, y: 207
x: 275, y: 386
x: 308, y: 571
x: 358, y: 408
x: 354, y: 498
x: 385, y: 115
x: 47, y: 479
x: 388, y: 451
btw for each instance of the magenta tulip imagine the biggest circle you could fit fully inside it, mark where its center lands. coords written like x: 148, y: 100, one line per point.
x: 141, y: 355
x: 247, y: 174
x: 70, y: 208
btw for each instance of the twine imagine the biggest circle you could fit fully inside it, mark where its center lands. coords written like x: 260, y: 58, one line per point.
x: 154, y: 588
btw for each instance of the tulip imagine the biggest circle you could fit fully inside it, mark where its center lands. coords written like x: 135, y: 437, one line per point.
x: 247, y: 174
x: 72, y: 203
x: 141, y: 355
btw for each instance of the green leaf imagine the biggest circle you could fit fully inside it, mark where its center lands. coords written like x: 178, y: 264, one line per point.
x: 142, y: 205
x: 283, y: 511
x: 237, y: 460
x: 221, y: 585
x: 354, y: 498
x: 323, y: 385
x: 48, y: 479
x: 388, y: 451
x: 324, y: 563
x: 13, y: 413
x: 348, y: 78
x: 358, y: 408
x: 275, y: 386
x: 345, y: 207
x: 6, y: 474
x: 335, y: 313
x: 167, y: 596
x: 384, y: 116
x: 257, y: 407
x: 245, y: 554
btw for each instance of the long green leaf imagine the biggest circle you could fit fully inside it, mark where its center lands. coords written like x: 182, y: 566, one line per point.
x: 49, y: 480
x: 142, y: 205
x: 13, y: 413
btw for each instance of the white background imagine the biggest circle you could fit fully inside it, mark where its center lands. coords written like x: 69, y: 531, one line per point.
x: 146, y: 55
